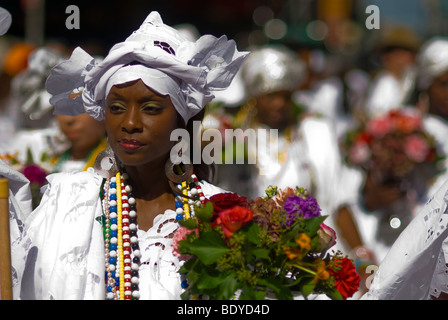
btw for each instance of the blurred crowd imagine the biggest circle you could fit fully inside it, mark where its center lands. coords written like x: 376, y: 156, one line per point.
x: 332, y: 128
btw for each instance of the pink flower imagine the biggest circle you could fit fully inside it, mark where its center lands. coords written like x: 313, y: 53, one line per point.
x: 359, y: 153
x: 180, y: 234
x: 379, y: 127
x: 282, y: 195
x: 416, y: 148
x: 327, y: 236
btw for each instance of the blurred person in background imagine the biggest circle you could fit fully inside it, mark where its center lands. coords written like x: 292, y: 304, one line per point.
x: 433, y: 96
x: 393, y: 84
x: 14, y: 61
x: 375, y: 234
x: 28, y: 107
x: 306, y: 148
x: 87, y: 139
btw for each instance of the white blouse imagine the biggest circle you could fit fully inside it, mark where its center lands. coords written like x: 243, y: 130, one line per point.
x: 65, y: 245
x: 416, y: 265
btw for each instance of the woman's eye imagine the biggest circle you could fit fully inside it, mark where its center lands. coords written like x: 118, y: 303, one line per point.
x: 152, y: 108
x: 116, y: 107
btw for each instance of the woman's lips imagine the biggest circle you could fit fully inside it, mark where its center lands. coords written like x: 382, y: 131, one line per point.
x: 130, y: 144
x: 72, y: 135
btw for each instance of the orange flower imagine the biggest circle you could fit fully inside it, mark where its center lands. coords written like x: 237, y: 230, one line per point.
x: 292, y: 252
x: 321, y: 272
x: 304, y: 241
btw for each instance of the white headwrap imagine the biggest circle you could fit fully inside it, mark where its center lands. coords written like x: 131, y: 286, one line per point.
x: 432, y: 61
x: 158, y: 55
x: 5, y: 21
x: 272, y: 68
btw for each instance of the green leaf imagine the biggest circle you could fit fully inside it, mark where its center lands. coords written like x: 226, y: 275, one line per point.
x: 205, y: 214
x: 209, y: 279
x: 228, y: 287
x: 335, y: 295
x: 209, y: 248
x: 307, y: 287
x: 189, y: 223
x: 253, y: 233
x: 281, y: 292
x: 249, y: 293
x: 29, y: 156
x: 313, y: 224
x: 261, y: 253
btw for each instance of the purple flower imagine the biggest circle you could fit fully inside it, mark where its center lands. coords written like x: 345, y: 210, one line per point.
x: 296, y: 206
x: 35, y: 174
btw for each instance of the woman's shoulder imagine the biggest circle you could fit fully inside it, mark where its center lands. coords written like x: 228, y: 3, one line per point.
x: 76, y: 182
x: 82, y: 177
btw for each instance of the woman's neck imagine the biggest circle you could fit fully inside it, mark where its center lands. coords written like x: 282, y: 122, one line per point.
x: 148, y: 181
x: 152, y: 191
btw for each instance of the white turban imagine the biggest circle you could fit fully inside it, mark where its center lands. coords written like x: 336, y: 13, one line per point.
x: 272, y: 68
x: 158, y: 55
x: 432, y: 61
x: 5, y: 21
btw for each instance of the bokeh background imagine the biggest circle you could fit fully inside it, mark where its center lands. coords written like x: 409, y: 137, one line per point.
x: 336, y: 25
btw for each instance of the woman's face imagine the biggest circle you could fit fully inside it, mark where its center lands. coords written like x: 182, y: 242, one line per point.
x: 275, y: 109
x: 139, y: 123
x: 83, y: 132
x: 438, y: 96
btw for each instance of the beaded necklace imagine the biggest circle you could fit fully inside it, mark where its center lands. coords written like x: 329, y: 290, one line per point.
x: 121, y: 246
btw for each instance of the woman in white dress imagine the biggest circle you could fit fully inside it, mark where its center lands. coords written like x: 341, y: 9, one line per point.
x: 299, y: 150
x: 416, y: 267
x: 94, y: 237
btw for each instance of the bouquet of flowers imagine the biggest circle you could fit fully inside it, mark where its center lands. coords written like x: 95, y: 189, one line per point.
x: 395, y: 144
x: 239, y: 248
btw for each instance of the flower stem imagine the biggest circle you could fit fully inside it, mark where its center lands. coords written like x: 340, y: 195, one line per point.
x: 304, y: 269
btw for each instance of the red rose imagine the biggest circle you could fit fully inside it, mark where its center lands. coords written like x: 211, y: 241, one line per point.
x: 231, y: 220
x: 346, y: 278
x: 223, y: 201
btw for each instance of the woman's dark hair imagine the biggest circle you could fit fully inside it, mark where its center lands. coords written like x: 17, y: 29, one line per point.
x: 202, y: 170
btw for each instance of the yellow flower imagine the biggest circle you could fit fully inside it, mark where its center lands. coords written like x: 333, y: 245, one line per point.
x: 321, y: 272
x: 304, y: 241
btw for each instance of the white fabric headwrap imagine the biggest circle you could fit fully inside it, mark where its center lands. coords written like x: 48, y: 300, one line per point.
x: 432, y: 61
x: 199, y: 68
x: 272, y: 68
x: 157, y: 80
x: 5, y: 21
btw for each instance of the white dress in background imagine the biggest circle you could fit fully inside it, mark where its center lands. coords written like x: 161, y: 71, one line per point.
x: 388, y: 92
x: 310, y: 160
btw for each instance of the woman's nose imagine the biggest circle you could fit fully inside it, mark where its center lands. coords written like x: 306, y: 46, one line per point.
x: 132, y: 121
